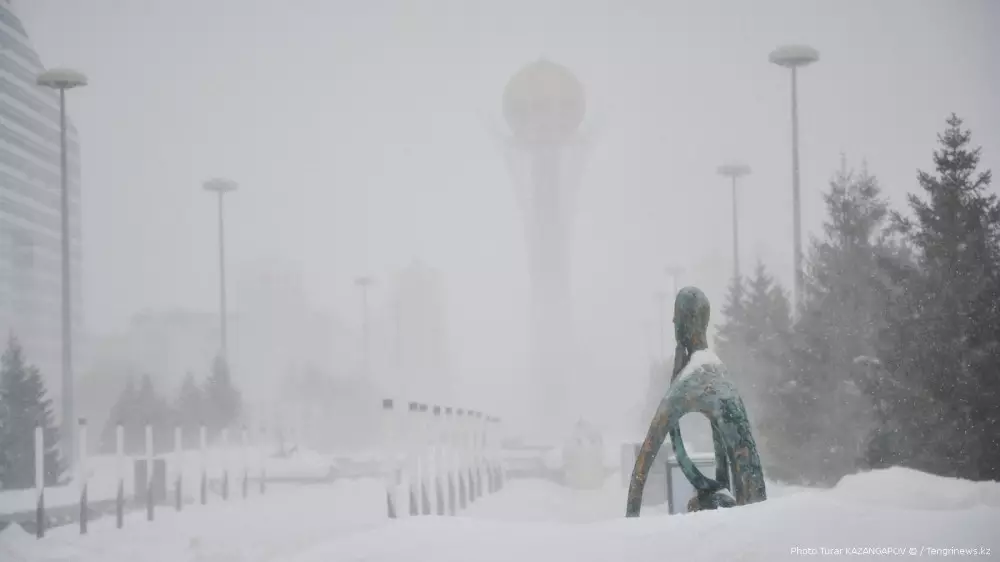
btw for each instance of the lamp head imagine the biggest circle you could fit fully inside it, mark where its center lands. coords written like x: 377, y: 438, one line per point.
x: 61, y: 79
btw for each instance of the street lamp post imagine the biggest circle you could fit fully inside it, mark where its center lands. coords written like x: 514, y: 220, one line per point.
x: 63, y: 79
x: 364, y: 283
x: 734, y: 171
x: 221, y: 187
x: 792, y: 57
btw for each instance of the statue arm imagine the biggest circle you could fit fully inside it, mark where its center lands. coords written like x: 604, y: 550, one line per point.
x: 658, y: 429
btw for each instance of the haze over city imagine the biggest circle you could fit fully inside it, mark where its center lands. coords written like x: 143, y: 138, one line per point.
x: 368, y: 140
x: 360, y: 137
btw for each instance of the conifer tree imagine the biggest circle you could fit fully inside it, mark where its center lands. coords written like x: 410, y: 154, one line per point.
x: 731, y: 333
x: 25, y: 405
x: 190, y: 409
x: 947, y: 323
x: 841, y: 318
x: 124, y: 412
x: 753, y: 341
x: 4, y: 423
x: 138, y: 406
x: 764, y: 372
x: 222, y: 399
x: 153, y: 409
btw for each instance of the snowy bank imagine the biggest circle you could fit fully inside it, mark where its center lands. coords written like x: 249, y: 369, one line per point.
x: 534, y: 520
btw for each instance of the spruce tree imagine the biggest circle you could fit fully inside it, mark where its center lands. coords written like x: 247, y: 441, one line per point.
x: 25, y: 406
x: 948, y: 323
x: 222, y: 399
x: 841, y: 318
x: 731, y: 333
x: 190, y: 409
x: 753, y: 342
x: 764, y: 371
x: 138, y: 405
x: 153, y: 409
x: 767, y: 316
x: 4, y: 424
x: 122, y: 412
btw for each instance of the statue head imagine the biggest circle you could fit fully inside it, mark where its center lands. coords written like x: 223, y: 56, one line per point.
x: 691, y: 313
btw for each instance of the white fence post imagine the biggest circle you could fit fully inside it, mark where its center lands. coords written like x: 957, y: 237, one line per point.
x: 500, y: 463
x: 203, y: 452
x: 473, y: 454
x: 120, y: 467
x: 448, y: 459
x: 82, y: 473
x: 461, y: 459
x: 225, y: 464
x: 178, y: 468
x: 486, y: 453
x: 243, y: 458
x: 413, y: 461
x: 480, y: 452
x: 436, y: 455
x: 150, y: 513
x: 425, y: 468
x: 389, y: 467
x: 39, y: 482
x: 262, y: 457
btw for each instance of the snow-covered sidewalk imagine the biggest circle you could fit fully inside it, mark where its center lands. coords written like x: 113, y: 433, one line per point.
x: 531, y: 520
x: 261, y: 528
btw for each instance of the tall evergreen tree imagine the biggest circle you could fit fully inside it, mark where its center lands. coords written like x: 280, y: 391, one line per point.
x: 25, y: 406
x: 124, y: 412
x: 842, y: 314
x: 223, y: 401
x: 767, y: 339
x: 190, y: 409
x: 155, y: 411
x: 948, y: 322
x: 5, y: 420
x: 753, y: 341
x: 138, y: 406
x: 754, y: 335
x: 768, y: 315
x: 731, y: 333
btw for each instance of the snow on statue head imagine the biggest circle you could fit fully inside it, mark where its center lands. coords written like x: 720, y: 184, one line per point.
x: 701, y: 384
x: 691, y: 314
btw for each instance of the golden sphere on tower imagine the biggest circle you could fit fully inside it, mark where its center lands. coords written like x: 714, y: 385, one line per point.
x: 544, y: 103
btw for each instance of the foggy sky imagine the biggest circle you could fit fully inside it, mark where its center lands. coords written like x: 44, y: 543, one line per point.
x: 359, y: 134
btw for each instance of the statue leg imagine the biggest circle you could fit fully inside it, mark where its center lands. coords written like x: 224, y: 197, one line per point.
x: 747, y: 473
x: 664, y: 421
x: 721, y: 458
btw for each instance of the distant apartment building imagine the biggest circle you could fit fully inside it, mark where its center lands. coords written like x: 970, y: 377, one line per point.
x: 30, y: 228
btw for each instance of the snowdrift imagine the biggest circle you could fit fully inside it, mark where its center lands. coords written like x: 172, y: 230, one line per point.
x: 535, y: 520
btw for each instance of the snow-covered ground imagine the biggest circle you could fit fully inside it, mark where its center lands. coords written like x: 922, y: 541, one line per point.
x: 533, y: 520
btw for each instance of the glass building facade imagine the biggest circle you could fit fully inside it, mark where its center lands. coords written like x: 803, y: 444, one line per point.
x: 30, y: 228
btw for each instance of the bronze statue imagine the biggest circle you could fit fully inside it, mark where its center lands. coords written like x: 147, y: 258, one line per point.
x: 700, y: 384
